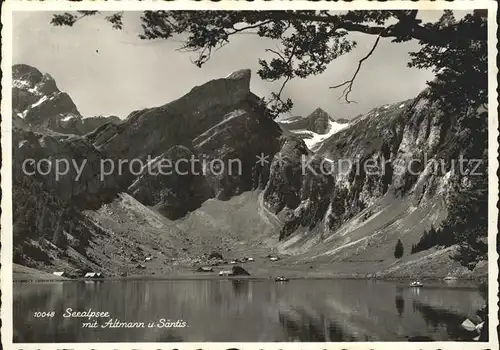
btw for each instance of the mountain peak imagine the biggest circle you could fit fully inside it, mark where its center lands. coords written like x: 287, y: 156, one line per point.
x: 25, y: 75
x: 38, y: 103
x: 21, y: 69
x: 243, y: 74
x: 318, y: 121
x: 319, y: 112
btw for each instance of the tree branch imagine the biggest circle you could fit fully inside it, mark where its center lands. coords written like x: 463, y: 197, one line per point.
x: 257, y: 25
x: 276, y: 97
x: 350, y: 82
x: 432, y: 36
x: 277, y: 54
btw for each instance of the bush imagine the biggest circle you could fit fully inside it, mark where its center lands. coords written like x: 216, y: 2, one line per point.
x: 398, y: 250
x: 432, y: 238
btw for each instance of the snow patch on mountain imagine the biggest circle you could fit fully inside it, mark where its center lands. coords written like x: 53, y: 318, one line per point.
x: 39, y: 102
x: 68, y: 118
x: 288, y: 120
x: 315, y: 140
x: 20, y: 83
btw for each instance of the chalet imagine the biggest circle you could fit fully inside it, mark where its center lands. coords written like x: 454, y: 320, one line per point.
x: 225, y: 273
x: 59, y: 273
x: 94, y: 275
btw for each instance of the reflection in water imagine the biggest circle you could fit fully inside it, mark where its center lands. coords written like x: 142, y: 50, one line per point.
x: 240, y: 287
x: 242, y: 311
x: 302, y: 327
x: 436, y: 317
x: 400, y: 305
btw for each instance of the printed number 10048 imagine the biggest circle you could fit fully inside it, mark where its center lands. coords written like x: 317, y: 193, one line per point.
x: 42, y: 314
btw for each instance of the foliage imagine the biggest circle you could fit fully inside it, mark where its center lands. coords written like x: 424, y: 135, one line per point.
x: 461, y: 85
x: 460, y: 66
x: 40, y: 215
x: 432, y: 238
x: 468, y: 216
x: 308, y: 41
x: 398, y: 249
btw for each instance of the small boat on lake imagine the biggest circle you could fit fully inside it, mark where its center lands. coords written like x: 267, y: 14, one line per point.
x: 416, y: 284
x: 281, y: 279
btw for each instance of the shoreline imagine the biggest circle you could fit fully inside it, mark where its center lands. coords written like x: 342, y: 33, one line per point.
x: 194, y: 277
x: 25, y: 274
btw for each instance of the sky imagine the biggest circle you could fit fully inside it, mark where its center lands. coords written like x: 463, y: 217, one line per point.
x: 111, y: 72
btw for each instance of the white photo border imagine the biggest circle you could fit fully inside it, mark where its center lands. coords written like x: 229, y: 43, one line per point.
x: 6, y: 175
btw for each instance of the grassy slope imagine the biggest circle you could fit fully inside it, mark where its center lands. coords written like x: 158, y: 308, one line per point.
x: 366, y: 247
x: 134, y: 232
x: 359, y: 249
x: 24, y: 273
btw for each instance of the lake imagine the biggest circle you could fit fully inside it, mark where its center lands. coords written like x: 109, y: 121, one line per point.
x: 242, y: 311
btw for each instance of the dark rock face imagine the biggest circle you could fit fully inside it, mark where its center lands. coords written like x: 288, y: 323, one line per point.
x: 174, y: 193
x: 215, y: 131
x: 28, y: 85
x: 299, y: 186
x: 85, y: 189
x: 178, y: 122
x: 284, y: 186
x: 48, y: 220
x: 237, y: 141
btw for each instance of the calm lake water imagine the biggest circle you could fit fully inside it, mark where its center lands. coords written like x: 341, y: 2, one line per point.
x: 264, y: 311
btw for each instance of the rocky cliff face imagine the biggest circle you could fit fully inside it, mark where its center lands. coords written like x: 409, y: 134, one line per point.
x: 38, y: 104
x: 388, y: 176
x: 219, y: 127
x: 67, y: 165
x: 391, y: 149
x: 348, y: 195
x: 178, y: 122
